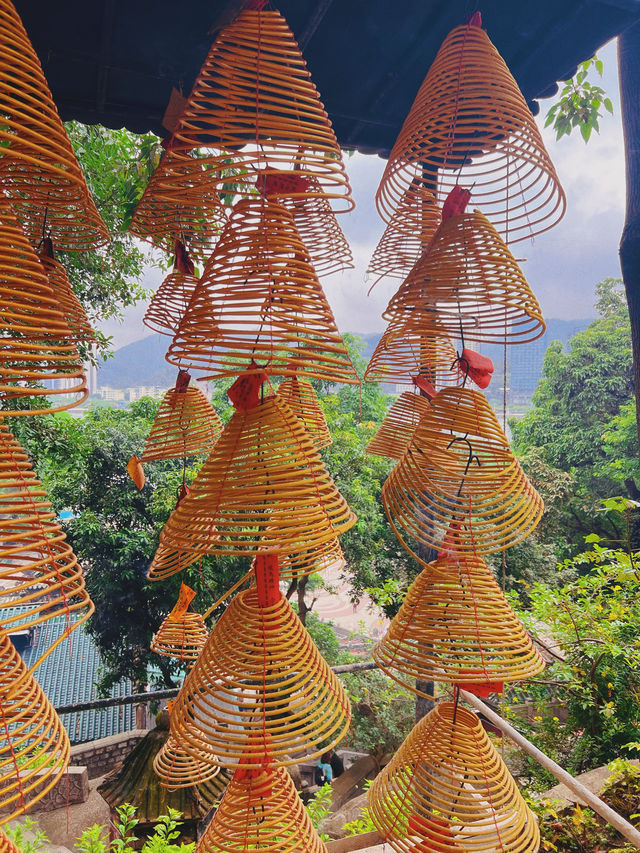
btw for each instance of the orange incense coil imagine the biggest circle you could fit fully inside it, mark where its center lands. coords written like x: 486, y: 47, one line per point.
x: 180, y: 203
x: 399, y: 424
x: 172, y: 298
x: 255, y: 105
x: 38, y: 168
x: 259, y: 685
x: 407, y: 236
x: 259, y: 305
x: 34, y: 745
x: 414, y: 345
x: 182, y: 635
x: 261, y: 810
x: 470, y: 125
x: 308, y: 561
x: 186, y: 425
x: 167, y: 562
x: 81, y: 331
x: 263, y: 488
x: 177, y: 769
x: 304, y: 403
x: 456, y: 625
x: 458, y: 485
x: 37, y: 344
x: 471, y: 280
x: 447, y: 789
x: 38, y: 570
x: 7, y: 845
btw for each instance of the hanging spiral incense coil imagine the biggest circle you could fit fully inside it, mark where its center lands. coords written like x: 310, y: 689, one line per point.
x: 399, y: 424
x: 470, y: 279
x: 39, y: 574
x: 415, y: 344
x: 186, y: 425
x: 34, y: 746
x: 38, y: 168
x: 470, y: 125
x: 261, y: 810
x: 308, y: 561
x: 447, y: 789
x: 177, y: 769
x: 167, y: 562
x: 263, y: 488
x: 456, y: 625
x: 259, y: 685
x: 259, y: 305
x: 36, y: 344
x: 407, y: 236
x: 180, y: 202
x: 81, y: 331
x: 172, y: 298
x: 304, y: 403
x: 255, y: 105
x: 458, y: 485
x: 181, y: 637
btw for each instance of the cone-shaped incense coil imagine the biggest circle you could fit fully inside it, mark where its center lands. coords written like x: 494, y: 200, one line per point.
x: 180, y: 202
x: 254, y: 103
x: 471, y: 279
x: 456, y: 625
x: 399, y: 424
x: 34, y: 746
x: 470, y: 125
x: 167, y: 562
x: 302, y: 399
x: 177, y: 769
x: 259, y: 684
x: 308, y: 561
x: 415, y: 344
x: 263, y: 488
x: 38, y: 168
x: 80, y: 329
x: 261, y: 810
x: 7, y: 845
x: 407, y: 236
x: 259, y: 305
x: 458, y: 485
x: 169, y: 302
x: 36, y: 344
x: 38, y: 570
x: 448, y: 790
x: 181, y: 636
x: 186, y: 425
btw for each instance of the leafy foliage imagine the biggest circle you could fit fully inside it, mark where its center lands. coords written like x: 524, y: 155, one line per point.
x: 580, y: 104
x: 93, y: 840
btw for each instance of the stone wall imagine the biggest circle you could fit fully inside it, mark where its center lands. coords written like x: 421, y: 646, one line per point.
x: 101, y: 756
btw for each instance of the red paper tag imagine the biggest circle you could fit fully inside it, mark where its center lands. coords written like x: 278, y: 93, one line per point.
x: 271, y: 182
x: 448, y: 549
x: 267, y: 579
x: 425, y: 386
x: 260, y: 759
x: 475, y: 20
x: 256, y: 5
x: 455, y: 203
x: 182, y: 492
x: 478, y: 367
x: 185, y: 598
x: 481, y: 688
x: 182, y: 382
x: 136, y: 471
x: 46, y: 248
x: 245, y: 391
x: 183, y: 262
x: 429, y: 828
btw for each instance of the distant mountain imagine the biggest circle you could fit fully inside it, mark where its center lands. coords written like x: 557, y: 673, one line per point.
x: 143, y: 362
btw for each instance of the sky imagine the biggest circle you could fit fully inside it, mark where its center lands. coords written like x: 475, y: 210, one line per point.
x: 562, y: 266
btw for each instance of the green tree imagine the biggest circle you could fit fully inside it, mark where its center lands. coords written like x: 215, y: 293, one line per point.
x: 580, y: 103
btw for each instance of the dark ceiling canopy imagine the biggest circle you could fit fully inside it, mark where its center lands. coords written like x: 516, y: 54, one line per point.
x: 115, y: 62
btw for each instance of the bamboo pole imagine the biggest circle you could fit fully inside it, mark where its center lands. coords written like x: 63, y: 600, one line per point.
x: 606, y: 812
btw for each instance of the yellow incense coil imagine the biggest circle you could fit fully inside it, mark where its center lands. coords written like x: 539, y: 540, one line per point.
x: 470, y: 125
x: 80, y: 329
x: 396, y: 430
x: 456, y: 625
x: 182, y: 637
x: 414, y: 344
x: 261, y: 810
x: 406, y: 236
x: 259, y: 686
x: 7, y: 845
x: 260, y: 306
x: 263, y: 488
x: 447, y: 789
x: 37, y: 344
x: 458, y: 486
x: 177, y: 769
x: 168, y: 562
x: 302, y: 399
x: 186, y: 425
x: 39, y: 573
x: 38, y: 168
x: 308, y: 561
x: 472, y: 282
x: 169, y: 302
x: 254, y: 107
x: 34, y: 746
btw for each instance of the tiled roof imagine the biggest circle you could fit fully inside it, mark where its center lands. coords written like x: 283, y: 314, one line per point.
x: 69, y: 674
